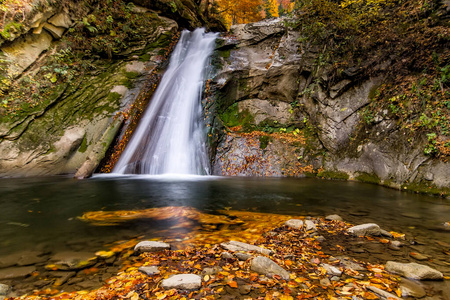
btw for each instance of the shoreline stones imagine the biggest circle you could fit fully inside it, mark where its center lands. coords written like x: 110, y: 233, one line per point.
x: 149, y: 270
x: 151, y: 246
x: 182, y: 282
x: 365, y: 229
x: 267, y: 267
x: 413, y: 271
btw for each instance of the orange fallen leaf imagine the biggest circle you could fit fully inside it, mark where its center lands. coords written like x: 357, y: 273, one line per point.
x: 233, y: 284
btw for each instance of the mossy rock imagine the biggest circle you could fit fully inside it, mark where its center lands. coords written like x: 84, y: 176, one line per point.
x: 328, y: 174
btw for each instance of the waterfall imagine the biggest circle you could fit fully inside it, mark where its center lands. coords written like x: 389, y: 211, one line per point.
x: 170, y: 138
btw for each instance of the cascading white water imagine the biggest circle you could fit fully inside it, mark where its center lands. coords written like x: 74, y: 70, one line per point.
x: 170, y: 137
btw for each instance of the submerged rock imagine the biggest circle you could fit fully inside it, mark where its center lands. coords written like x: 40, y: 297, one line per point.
x: 268, y: 267
x: 66, y: 261
x: 4, y: 289
x: 365, y: 229
x: 13, y: 273
x: 382, y: 293
x: 182, y: 282
x: 413, y: 271
x: 151, y: 246
x: 410, y: 288
x: 239, y: 246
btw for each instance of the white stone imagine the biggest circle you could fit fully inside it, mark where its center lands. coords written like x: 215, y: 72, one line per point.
x: 182, y: 282
x: 332, y: 270
x: 365, y: 229
x: 151, y: 246
x: 149, y: 270
x: 294, y: 223
x: 309, y: 225
x: 413, y: 271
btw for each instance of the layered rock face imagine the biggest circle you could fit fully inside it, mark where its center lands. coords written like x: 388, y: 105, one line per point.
x: 78, y: 101
x: 269, y: 82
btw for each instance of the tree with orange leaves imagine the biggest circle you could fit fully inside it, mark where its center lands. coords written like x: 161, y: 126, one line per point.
x: 238, y: 12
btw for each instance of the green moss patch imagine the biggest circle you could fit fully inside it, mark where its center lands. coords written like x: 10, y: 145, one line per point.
x: 369, y: 178
x: 328, y: 174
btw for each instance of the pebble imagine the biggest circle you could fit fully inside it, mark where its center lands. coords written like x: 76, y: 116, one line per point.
x: 325, y: 282
x: 320, y: 238
x: 418, y: 256
x: 226, y: 255
x: 182, y: 282
x: 242, y: 256
x: 149, y: 270
x: 151, y: 246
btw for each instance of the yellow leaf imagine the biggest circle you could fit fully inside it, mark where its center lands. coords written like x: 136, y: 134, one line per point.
x: 206, y: 278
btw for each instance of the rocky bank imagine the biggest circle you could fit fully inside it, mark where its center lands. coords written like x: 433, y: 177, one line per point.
x: 271, y: 86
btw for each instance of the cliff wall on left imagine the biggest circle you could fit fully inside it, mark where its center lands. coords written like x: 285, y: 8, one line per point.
x: 70, y: 72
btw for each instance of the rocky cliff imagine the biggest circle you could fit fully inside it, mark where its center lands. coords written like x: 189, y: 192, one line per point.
x: 70, y: 73
x: 281, y: 111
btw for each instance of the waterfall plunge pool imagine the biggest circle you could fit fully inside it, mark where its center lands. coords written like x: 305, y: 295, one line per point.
x: 41, y: 214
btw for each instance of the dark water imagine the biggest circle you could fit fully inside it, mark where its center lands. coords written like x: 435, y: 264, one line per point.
x: 42, y: 212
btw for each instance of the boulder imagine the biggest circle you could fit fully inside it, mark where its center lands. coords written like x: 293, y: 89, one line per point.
x: 365, y: 229
x: 413, y: 271
x: 239, y: 246
x: 182, y: 282
x: 151, y: 246
x: 268, y: 267
x: 294, y: 223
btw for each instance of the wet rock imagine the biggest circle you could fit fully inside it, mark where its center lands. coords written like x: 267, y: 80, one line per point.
x: 62, y: 277
x: 410, y: 288
x: 382, y: 293
x: 13, y: 273
x: 396, y: 243
x: 149, y: 270
x: 309, y: 225
x: 71, y: 261
x: 418, y: 256
x: 21, y: 259
x: 386, y: 233
x: 211, y: 271
x: 332, y: 270
x: 294, y: 223
x: 413, y: 271
x: 333, y: 218
x: 348, y: 264
x: 151, y: 246
x: 365, y: 229
x: 268, y: 267
x: 320, y: 238
x: 226, y: 255
x: 242, y: 256
x: 245, y: 289
x: 4, y: 289
x: 182, y: 282
x: 239, y: 246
